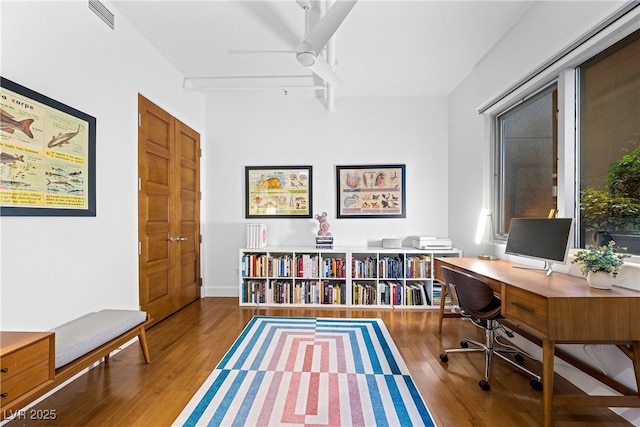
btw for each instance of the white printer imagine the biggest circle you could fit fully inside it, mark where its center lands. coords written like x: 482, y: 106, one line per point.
x: 430, y: 242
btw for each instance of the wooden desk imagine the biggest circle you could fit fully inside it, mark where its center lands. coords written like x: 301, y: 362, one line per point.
x: 560, y: 309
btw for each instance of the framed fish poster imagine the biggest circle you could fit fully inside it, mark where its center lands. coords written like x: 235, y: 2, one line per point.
x: 371, y: 191
x: 47, y: 153
x: 278, y: 191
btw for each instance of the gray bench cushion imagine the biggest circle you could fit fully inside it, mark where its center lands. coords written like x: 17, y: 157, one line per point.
x: 78, y: 337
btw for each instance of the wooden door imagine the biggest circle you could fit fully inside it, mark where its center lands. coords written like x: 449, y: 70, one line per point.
x: 188, y: 189
x: 168, y: 212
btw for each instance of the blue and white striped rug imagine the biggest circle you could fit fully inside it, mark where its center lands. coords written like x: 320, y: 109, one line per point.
x: 301, y: 371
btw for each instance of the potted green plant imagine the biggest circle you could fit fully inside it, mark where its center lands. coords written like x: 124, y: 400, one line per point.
x: 600, y: 264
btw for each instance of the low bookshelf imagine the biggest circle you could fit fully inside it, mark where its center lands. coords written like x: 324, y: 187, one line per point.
x: 347, y: 277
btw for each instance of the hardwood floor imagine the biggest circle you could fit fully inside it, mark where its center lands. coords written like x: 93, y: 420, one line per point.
x: 186, y: 347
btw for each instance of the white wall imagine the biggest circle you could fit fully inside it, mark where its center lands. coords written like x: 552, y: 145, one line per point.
x: 55, y: 269
x: 273, y: 129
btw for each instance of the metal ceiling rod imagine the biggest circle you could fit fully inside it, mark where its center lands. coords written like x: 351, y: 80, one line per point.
x: 274, y: 87
x: 331, y: 60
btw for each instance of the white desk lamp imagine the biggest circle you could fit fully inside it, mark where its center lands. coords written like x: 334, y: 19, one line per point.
x: 480, y: 229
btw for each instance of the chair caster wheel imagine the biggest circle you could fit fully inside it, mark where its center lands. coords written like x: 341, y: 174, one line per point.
x: 484, y: 385
x: 464, y: 344
x: 444, y: 357
x: 536, y: 385
x: 518, y: 358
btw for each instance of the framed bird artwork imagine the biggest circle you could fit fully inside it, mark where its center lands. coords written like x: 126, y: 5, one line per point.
x: 370, y: 191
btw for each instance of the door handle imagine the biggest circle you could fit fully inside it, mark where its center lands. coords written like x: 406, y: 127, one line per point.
x: 177, y: 239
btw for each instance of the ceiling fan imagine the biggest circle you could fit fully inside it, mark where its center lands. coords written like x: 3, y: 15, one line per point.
x: 308, y: 51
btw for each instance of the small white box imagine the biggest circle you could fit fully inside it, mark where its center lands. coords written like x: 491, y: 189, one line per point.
x: 391, y: 243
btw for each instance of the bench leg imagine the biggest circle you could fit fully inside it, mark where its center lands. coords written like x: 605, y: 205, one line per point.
x: 106, y: 359
x: 142, y: 338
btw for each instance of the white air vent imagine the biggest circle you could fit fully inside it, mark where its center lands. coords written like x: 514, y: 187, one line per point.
x: 104, y: 13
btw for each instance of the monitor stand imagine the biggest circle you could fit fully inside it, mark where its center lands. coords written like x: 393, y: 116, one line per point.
x: 546, y: 267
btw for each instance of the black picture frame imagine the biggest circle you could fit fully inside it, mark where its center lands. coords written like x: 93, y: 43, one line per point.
x: 278, y: 191
x: 371, y: 191
x: 48, y: 154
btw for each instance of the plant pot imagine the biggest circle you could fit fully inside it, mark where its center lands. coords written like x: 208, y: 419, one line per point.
x: 600, y: 280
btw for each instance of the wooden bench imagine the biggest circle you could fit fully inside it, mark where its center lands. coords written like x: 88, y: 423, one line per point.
x: 82, y: 342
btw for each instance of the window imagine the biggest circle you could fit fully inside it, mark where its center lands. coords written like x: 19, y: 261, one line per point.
x: 609, y: 149
x: 527, y: 159
x: 605, y: 189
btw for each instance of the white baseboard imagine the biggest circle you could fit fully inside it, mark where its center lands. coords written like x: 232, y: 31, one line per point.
x: 219, y: 291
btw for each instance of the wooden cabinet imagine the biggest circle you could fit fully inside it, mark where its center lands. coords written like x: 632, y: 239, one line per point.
x: 347, y: 277
x: 26, y: 362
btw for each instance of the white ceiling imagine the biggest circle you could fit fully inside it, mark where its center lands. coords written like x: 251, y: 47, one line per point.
x: 383, y: 48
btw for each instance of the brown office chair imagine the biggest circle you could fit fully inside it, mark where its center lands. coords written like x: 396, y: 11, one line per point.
x: 477, y: 301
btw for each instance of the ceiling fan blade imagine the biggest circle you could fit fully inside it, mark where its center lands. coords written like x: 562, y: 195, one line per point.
x: 321, y: 69
x: 328, y: 25
x: 250, y: 51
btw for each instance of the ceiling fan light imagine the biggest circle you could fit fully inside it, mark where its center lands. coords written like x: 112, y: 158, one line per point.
x: 305, y: 4
x: 306, y: 58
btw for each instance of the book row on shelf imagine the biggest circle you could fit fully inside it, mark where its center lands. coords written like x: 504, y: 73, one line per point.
x: 405, y: 294
x: 391, y: 293
x: 303, y: 265
x: 364, y: 268
x: 329, y: 292
x: 300, y: 292
x: 334, y: 267
x: 309, y: 265
x: 437, y: 294
x: 413, y: 267
x: 263, y: 265
x: 417, y: 266
x: 390, y: 267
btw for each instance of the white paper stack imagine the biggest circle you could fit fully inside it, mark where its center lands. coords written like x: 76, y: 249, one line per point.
x: 256, y: 236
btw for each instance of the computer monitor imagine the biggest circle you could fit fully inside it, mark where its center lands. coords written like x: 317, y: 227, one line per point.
x: 544, y: 239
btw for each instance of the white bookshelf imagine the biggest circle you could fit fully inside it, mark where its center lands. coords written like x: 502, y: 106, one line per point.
x: 346, y: 277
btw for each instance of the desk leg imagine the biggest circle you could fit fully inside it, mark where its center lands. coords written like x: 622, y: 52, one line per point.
x: 636, y: 362
x: 548, y: 350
